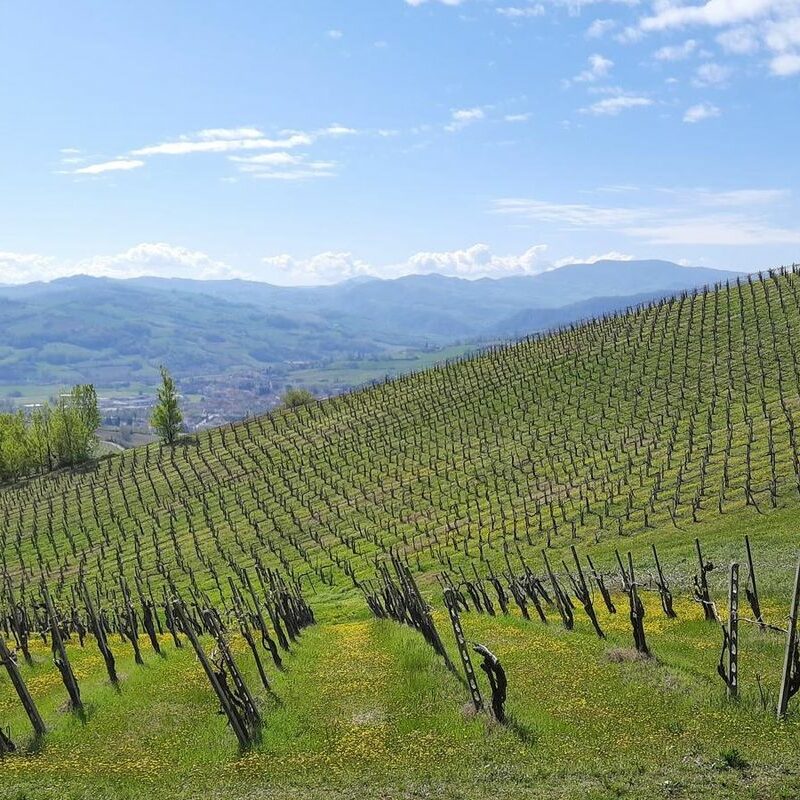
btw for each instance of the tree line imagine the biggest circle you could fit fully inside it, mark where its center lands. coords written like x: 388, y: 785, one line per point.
x: 49, y: 436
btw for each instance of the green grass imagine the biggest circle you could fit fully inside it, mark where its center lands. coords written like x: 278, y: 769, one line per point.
x: 633, y: 430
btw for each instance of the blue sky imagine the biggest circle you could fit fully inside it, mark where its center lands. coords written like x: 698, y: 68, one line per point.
x: 308, y: 141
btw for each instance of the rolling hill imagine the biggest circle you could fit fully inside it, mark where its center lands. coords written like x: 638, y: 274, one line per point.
x: 116, y: 333
x: 672, y: 421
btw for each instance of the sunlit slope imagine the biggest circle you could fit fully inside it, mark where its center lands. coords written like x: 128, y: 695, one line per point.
x: 662, y: 416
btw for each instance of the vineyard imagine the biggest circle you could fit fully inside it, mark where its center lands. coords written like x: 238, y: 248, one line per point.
x: 573, y: 503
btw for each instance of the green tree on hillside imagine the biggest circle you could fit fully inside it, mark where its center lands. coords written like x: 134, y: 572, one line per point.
x: 293, y: 398
x: 167, y: 418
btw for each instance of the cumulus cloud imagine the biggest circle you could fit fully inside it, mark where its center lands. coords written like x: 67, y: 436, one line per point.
x: 477, y: 261
x: 746, y: 27
x: 25, y: 267
x: 153, y: 259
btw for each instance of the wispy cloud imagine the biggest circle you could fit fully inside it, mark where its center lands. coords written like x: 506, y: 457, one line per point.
x: 600, y: 27
x: 116, y: 165
x: 711, y: 74
x: 223, y: 140
x: 462, y: 117
x: 521, y: 12
x: 701, y: 217
x: 616, y: 104
x: 232, y: 140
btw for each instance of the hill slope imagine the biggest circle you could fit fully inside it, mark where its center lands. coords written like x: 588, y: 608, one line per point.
x: 675, y: 420
x: 113, y: 332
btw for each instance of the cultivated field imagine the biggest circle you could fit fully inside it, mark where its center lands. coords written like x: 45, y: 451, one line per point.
x: 672, y: 422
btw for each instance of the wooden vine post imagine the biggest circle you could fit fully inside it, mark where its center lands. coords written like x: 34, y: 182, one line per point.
x: 790, y: 677
x: 729, y: 672
x: 97, y: 627
x: 702, y: 594
x: 637, y: 611
x: 60, y: 657
x: 21, y: 689
x: 180, y: 616
x: 663, y: 588
x: 585, y: 596
x: 751, y: 590
x: 458, y: 631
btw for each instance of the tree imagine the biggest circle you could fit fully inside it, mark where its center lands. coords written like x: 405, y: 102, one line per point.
x: 167, y: 418
x: 84, y: 400
x: 293, y: 398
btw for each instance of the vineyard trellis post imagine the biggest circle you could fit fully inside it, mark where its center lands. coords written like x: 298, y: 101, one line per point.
x: 21, y: 689
x: 702, y: 593
x: 730, y: 638
x: 790, y: 677
x: 458, y: 631
x: 751, y: 590
x: 663, y: 588
x: 636, y: 611
x: 60, y: 657
x: 180, y: 616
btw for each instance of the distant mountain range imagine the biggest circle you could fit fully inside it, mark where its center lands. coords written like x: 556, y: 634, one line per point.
x: 112, y: 331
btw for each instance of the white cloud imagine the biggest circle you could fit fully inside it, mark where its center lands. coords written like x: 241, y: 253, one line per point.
x: 282, y: 166
x: 699, y: 112
x: 518, y: 117
x: 477, y: 261
x: 521, y: 12
x: 152, y: 259
x: 109, y: 166
x: 711, y: 74
x: 25, y: 267
x: 229, y: 141
x: 676, y: 52
x: 599, y: 67
x: 613, y: 255
x: 785, y: 64
x: 461, y: 118
x: 158, y: 259
x: 739, y: 41
x: 202, y: 142
x: 443, y: 2
x: 335, y: 34
x: 731, y: 220
x: 748, y: 26
x: 599, y: 28
x: 611, y: 106
x: 715, y: 13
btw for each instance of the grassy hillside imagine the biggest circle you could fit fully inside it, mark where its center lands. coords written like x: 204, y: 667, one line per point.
x: 674, y: 421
